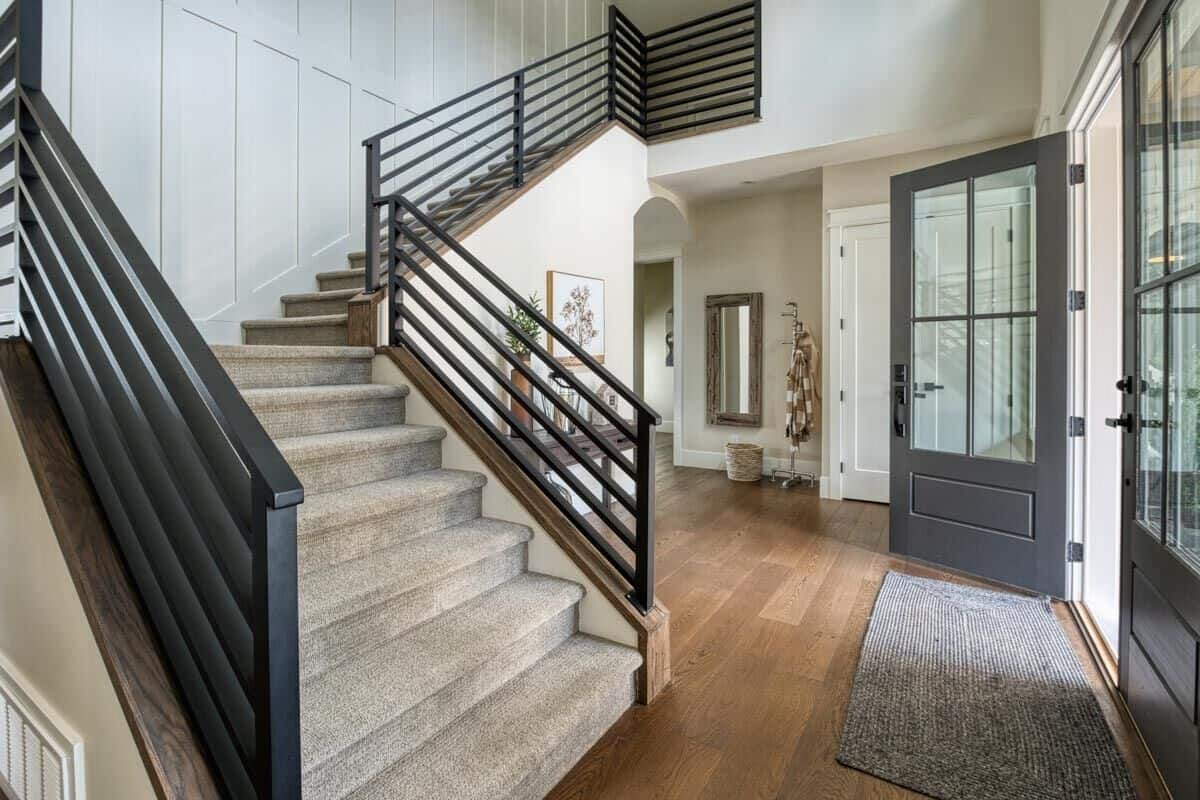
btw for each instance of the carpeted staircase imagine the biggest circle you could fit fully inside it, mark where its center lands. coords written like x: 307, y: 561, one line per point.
x: 433, y: 664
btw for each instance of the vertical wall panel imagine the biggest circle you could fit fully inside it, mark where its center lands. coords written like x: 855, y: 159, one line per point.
x: 374, y: 35
x: 449, y: 49
x: 273, y: 165
x: 117, y: 104
x: 326, y: 25
x: 556, y: 25
x: 509, y: 26
x: 534, y: 39
x: 285, y: 13
x: 325, y: 153
x: 576, y: 21
x: 481, y: 28
x: 199, y: 148
x: 414, y: 54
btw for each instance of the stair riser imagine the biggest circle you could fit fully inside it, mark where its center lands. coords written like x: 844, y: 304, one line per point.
x: 337, y: 541
x: 554, y: 766
x: 354, y: 766
x: 327, y: 335
x: 266, y: 373
x: 314, y: 308
x: 346, y: 282
x: 301, y: 419
x: 367, y: 465
x: 369, y: 622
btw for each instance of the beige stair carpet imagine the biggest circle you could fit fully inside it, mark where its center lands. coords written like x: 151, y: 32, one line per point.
x: 433, y: 663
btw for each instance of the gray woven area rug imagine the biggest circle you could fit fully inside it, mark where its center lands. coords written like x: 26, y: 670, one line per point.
x: 968, y: 694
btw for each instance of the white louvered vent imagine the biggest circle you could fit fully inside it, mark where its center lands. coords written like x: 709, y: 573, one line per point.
x: 39, y: 759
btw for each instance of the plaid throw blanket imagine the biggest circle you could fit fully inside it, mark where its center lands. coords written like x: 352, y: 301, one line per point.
x: 803, y: 401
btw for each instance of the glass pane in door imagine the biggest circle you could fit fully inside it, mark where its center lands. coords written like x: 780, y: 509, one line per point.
x: 1150, y: 369
x: 1005, y: 394
x: 939, y: 391
x: 1150, y: 135
x: 1183, y: 474
x: 1005, y: 267
x: 940, y: 251
x: 1183, y: 71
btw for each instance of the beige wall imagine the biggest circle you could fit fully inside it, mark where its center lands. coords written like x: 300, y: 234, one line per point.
x: 770, y: 244
x: 45, y: 636
x: 657, y: 379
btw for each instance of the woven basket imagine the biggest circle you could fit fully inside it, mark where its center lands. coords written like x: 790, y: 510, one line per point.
x: 743, y: 461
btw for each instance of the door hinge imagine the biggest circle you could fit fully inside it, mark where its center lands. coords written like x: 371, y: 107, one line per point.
x: 842, y: 324
x: 841, y: 395
x: 842, y: 250
x: 1010, y: 237
x: 1076, y: 300
x: 841, y: 466
x: 1076, y: 174
x: 1075, y: 426
x: 1074, y: 552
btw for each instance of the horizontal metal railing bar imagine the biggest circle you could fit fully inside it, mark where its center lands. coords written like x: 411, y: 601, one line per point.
x: 521, y: 459
x: 632, y: 87
x: 524, y: 368
x: 621, y: 33
x: 705, y: 71
x: 527, y: 403
x: 748, y: 73
x: 533, y: 98
x: 8, y: 24
x: 708, y: 121
x: 624, y: 107
x: 692, y: 35
x: 221, y: 684
x: 625, y: 22
x: 505, y: 413
x: 700, y: 109
x: 724, y: 12
x: 8, y: 65
x: 740, y: 87
x: 204, y: 374
x: 378, y: 137
x: 123, y: 396
x: 574, y: 121
x: 464, y: 212
x: 427, y: 134
x: 597, y: 369
x: 7, y: 233
x: 7, y: 191
x: 692, y: 55
x: 630, y: 53
x: 8, y: 149
x: 429, y: 154
x: 457, y: 176
x: 693, y: 60
x: 566, y: 112
x: 558, y: 70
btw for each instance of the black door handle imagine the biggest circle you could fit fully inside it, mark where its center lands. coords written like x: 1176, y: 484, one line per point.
x: 898, y: 411
x: 1125, y: 421
x: 1125, y: 384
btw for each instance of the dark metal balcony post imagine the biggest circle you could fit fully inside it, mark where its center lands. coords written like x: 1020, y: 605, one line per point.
x: 612, y: 62
x: 395, y: 281
x: 518, y: 130
x: 758, y: 58
x: 371, y: 221
x: 276, y: 626
x: 643, y: 582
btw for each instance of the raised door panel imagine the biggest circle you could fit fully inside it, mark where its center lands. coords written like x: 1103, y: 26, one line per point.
x: 199, y: 160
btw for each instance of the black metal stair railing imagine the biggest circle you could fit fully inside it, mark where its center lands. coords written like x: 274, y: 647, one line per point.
x: 444, y: 315
x: 456, y: 159
x: 202, y: 504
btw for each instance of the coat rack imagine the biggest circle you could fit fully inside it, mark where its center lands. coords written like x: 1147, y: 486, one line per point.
x: 791, y: 476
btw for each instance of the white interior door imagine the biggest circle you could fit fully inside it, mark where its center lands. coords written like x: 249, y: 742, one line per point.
x: 866, y: 389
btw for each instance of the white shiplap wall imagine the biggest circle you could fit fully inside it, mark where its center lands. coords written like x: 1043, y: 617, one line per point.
x: 229, y: 132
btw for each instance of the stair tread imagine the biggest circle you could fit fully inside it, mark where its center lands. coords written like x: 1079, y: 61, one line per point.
x: 326, y: 294
x: 320, y: 320
x: 393, y: 496
x: 327, y: 445
x: 494, y: 748
x: 344, y: 273
x: 330, y: 593
x: 352, y: 700
x: 230, y: 352
x: 344, y: 392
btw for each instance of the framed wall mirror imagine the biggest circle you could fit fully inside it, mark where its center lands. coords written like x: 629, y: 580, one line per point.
x: 734, y: 357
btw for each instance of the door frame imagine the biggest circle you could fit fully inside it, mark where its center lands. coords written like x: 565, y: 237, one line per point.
x: 837, y: 221
x: 674, y: 254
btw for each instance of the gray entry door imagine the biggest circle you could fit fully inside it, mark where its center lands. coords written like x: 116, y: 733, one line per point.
x: 979, y: 364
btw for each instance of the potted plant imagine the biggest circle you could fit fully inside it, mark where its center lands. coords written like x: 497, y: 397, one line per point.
x: 528, y: 325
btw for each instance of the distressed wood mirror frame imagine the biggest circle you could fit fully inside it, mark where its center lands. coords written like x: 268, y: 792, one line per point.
x: 713, y: 305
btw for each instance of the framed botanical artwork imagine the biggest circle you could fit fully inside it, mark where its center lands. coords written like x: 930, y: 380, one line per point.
x: 575, y: 303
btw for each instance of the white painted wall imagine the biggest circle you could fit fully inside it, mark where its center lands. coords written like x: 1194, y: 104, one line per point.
x: 770, y: 244
x: 934, y: 71
x: 46, y: 643
x: 230, y: 133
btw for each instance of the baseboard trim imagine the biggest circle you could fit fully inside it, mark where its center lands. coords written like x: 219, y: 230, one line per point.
x: 707, y: 459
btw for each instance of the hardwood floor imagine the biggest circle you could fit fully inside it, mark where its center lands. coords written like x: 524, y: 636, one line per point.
x: 770, y: 592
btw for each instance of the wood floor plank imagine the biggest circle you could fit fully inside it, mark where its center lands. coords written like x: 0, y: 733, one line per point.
x: 770, y: 592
